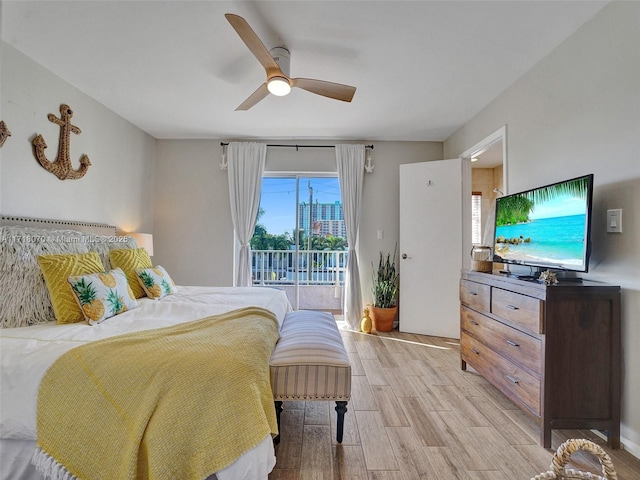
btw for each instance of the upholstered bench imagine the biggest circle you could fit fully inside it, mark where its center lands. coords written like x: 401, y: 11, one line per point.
x: 310, y: 362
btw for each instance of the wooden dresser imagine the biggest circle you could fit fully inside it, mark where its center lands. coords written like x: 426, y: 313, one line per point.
x: 553, y: 350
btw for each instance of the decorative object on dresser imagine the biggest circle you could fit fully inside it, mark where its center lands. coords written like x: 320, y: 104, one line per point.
x: 4, y: 133
x: 61, y: 166
x: 548, y: 277
x: 481, y: 258
x: 386, y: 281
x: 554, y: 350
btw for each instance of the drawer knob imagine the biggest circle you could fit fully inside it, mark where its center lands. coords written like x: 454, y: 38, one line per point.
x: 473, y: 293
x: 473, y: 350
x: 512, y: 307
x: 512, y: 379
x: 473, y: 322
x: 512, y: 343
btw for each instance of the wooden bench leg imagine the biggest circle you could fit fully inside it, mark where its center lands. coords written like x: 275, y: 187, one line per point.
x: 341, y: 408
x: 278, y: 405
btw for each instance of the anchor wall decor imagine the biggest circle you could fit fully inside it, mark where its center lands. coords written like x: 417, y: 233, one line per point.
x: 61, y: 166
x: 4, y: 133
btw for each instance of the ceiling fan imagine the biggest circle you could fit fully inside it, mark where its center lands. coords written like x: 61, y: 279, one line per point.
x: 276, y: 65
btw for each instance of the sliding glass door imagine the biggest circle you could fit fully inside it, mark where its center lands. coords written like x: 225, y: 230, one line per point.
x: 299, y: 243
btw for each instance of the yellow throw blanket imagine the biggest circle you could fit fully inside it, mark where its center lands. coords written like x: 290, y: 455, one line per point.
x: 180, y: 402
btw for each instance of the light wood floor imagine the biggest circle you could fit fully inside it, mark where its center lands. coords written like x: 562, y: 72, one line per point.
x: 414, y: 414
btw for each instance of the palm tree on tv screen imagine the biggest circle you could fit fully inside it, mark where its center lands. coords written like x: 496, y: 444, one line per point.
x: 516, y: 208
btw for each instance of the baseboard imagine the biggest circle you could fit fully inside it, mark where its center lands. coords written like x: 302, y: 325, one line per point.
x: 631, y: 447
x: 626, y: 444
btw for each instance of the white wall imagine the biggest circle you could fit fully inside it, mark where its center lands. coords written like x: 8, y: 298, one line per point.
x: 192, y: 201
x: 381, y: 202
x: 118, y: 187
x: 192, y: 215
x: 577, y: 112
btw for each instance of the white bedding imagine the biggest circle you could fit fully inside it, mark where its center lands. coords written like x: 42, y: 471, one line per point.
x: 26, y: 353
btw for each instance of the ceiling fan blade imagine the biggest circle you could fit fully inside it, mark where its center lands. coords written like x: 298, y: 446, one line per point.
x: 254, y: 98
x: 254, y: 43
x: 336, y: 91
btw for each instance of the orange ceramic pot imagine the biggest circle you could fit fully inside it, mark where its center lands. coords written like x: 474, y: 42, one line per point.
x: 382, y: 318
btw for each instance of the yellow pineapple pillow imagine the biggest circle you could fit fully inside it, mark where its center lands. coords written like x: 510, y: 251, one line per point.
x: 56, y: 269
x: 156, y: 282
x: 130, y: 260
x: 102, y: 295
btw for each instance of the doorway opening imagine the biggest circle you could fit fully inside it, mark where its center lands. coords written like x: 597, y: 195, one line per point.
x: 488, y: 161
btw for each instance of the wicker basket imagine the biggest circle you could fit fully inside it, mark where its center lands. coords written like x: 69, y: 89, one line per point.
x: 481, y: 266
x: 563, y: 455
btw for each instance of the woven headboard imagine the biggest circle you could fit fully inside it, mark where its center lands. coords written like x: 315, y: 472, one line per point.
x: 84, y: 227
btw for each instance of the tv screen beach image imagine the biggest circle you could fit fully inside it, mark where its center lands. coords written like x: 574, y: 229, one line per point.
x: 545, y: 226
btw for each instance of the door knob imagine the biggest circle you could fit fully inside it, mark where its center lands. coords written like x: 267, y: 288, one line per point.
x: 405, y: 256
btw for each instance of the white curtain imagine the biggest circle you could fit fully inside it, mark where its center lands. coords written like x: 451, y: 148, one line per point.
x: 245, y: 166
x: 350, y: 159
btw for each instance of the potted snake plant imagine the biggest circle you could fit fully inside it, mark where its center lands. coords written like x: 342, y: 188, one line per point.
x: 386, y: 282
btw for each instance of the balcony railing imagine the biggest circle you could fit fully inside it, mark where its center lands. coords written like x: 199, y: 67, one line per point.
x: 314, y: 267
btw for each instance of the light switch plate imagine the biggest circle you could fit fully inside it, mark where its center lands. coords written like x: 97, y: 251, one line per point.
x: 614, y: 221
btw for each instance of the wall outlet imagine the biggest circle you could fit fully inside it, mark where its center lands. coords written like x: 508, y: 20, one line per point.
x: 614, y: 221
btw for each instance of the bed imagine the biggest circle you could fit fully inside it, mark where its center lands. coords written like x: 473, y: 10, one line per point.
x: 30, y: 347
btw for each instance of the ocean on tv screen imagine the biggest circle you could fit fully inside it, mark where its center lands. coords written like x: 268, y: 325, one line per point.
x: 555, y: 240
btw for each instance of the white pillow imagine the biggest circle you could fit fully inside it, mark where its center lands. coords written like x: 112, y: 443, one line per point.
x: 156, y: 282
x: 102, y: 295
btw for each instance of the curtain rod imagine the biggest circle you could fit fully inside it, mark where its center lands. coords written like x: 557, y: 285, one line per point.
x: 224, y: 144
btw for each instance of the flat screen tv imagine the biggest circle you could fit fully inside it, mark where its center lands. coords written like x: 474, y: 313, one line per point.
x: 546, y: 227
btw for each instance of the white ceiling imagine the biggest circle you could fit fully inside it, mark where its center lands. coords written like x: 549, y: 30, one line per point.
x: 177, y: 69
x: 489, y: 158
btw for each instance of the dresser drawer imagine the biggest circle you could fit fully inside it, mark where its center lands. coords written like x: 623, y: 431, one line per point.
x: 513, y: 381
x: 475, y: 295
x: 511, y: 343
x: 519, y: 309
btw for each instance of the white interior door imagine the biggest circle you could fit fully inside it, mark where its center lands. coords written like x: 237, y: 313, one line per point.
x: 431, y: 239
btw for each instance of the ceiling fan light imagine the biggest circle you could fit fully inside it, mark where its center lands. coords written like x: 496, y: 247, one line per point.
x: 279, y: 86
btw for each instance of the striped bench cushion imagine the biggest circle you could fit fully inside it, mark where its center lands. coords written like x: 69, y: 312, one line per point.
x: 309, y: 361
